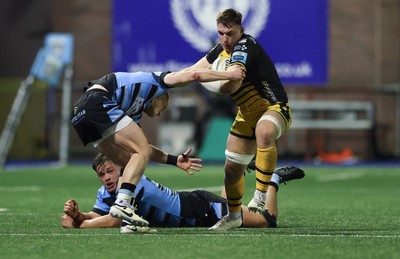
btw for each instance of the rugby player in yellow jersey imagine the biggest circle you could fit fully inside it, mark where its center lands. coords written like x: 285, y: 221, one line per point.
x: 263, y: 114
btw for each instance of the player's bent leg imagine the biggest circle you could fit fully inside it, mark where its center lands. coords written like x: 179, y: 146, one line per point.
x: 265, y: 219
x: 130, y: 148
x: 122, y: 208
x: 271, y: 219
x: 252, y: 219
x: 269, y: 128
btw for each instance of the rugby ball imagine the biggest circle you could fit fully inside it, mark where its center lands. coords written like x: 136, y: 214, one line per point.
x: 220, y: 64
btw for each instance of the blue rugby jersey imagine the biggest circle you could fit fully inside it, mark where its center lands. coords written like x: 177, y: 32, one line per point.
x: 135, y: 91
x: 163, y: 207
x: 158, y: 204
x: 104, y: 201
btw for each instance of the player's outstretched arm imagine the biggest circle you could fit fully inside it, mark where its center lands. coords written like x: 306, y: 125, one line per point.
x: 183, y: 161
x: 106, y: 221
x: 181, y: 78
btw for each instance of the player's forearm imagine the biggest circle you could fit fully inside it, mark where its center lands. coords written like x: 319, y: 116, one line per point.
x: 208, y: 75
x: 182, y: 78
x: 106, y: 221
x: 159, y: 156
x: 81, y: 216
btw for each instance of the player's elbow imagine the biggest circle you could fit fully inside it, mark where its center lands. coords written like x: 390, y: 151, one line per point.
x: 195, y: 76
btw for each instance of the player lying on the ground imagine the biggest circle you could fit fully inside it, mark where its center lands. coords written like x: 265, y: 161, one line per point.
x: 164, y: 207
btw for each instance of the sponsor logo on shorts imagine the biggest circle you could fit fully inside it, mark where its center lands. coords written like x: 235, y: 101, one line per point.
x: 78, y: 116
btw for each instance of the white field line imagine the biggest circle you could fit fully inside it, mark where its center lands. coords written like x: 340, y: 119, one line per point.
x: 20, y: 189
x: 339, y: 176
x: 216, y: 235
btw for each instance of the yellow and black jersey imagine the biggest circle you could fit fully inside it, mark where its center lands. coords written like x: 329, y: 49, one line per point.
x: 261, y: 81
x: 261, y: 89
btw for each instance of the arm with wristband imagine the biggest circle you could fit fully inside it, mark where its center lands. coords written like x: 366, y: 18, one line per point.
x: 183, y: 161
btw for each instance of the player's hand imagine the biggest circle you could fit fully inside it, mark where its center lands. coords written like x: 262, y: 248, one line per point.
x: 71, y: 208
x: 67, y: 221
x: 238, y: 72
x: 187, y: 163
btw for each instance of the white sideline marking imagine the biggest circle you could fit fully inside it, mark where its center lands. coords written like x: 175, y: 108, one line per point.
x: 339, y: 176
x: 224, y: 234
x: 210, y: 189
x: 3, y: 209
x: 20, y: 189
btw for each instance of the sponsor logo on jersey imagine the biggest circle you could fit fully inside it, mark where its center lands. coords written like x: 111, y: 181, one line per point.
x: 239, y: 56
x: 240, y: 48
x: 195, y: 20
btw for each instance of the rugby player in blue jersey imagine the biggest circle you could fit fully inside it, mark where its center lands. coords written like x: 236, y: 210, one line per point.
x: 107, y: 114
x: 164, y: 207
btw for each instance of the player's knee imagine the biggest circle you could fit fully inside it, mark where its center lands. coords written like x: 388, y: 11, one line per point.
x: 266, y: 137
x: 271, y: 219
x: 271, y: 133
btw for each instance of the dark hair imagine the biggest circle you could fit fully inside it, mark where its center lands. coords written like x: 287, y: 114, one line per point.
x: 229, y: 17
x: 100, y: 159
